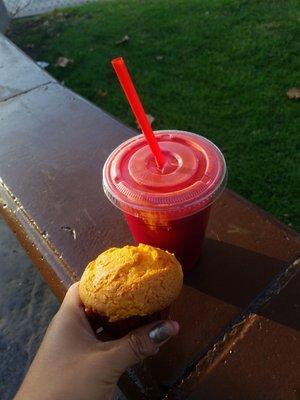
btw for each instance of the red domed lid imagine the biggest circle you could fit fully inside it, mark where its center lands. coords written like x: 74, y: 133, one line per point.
x: 193, y: 176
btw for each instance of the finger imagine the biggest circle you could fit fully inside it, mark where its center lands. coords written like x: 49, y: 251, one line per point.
x: 72, y: 296
x: 72, y: 307
x: 142, y: 343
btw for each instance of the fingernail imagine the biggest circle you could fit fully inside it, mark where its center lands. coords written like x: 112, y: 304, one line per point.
x: 161, y: 332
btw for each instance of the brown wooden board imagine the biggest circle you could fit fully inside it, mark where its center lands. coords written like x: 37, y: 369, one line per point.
x: 265, y: 364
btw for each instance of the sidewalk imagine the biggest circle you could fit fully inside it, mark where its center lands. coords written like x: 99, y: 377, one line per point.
x: 27, y: 306
x: 25, y: 8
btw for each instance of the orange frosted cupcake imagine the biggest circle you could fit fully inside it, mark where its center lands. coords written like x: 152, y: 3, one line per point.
x: 124, y: 288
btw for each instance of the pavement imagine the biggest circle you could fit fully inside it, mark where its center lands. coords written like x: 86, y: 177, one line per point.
x: 26, y: 8
x: 26, y: 308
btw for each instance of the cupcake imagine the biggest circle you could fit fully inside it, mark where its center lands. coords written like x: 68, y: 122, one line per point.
x: 124, y: 288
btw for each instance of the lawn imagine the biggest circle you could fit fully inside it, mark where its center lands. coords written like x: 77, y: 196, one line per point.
x: 217, y: 67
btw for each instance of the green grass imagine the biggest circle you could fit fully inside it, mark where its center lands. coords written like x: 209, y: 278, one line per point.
x: 226, y: 66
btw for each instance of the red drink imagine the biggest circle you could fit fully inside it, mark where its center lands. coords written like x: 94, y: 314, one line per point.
x: 169, y: 208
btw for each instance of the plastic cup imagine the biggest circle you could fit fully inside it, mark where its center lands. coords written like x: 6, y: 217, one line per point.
x: 167, y: 208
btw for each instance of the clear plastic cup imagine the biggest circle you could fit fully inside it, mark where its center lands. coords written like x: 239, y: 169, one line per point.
x: 169, y: 208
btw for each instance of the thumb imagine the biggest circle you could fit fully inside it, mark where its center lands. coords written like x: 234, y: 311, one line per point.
x: 141, y: 343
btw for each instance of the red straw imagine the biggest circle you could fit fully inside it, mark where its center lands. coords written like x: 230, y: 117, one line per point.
x: 137, y: 108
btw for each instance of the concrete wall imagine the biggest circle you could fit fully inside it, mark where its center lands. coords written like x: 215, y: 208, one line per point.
x: 4, y: 19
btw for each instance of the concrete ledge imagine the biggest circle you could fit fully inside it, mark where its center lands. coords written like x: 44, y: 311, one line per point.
x: 18, y: 73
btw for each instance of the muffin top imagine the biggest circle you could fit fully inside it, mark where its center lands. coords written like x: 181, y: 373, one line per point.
x: 130, y: 281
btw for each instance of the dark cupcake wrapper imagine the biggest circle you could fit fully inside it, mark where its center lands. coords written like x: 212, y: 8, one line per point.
x: 117, y: 329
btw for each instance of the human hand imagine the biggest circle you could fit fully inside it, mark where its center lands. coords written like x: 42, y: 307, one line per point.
x: 72, y: 363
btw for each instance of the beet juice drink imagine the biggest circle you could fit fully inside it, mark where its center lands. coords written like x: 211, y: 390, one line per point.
x: 167, y: 208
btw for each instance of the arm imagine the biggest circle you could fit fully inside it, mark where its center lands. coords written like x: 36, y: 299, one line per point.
x: 72, y: 363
